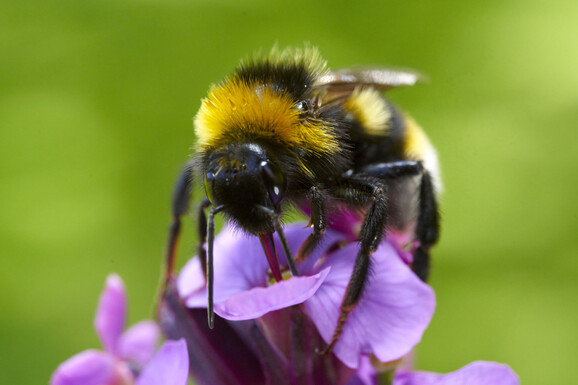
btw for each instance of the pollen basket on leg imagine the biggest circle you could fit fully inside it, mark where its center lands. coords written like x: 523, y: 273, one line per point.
x: 237, y: 111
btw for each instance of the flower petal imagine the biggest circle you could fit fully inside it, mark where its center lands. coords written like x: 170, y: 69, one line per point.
x: 476, y: 373
x: 139, y: 343
x: 221, y: 357
x: 259, y: 301
x: 394, y: 311
x: 365, y: 374
x: 111, y: 313
x: 346, y: 222
x: 90, y: 367
x: 240, y: 265
x: 169, y: 366
x: 190, y: 281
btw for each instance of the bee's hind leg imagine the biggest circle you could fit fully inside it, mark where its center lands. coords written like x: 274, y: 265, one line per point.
x: 427, y: 228
x: 428, y: 218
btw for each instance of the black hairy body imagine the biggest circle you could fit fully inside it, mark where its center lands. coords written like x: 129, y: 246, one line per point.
x: 283, y: 131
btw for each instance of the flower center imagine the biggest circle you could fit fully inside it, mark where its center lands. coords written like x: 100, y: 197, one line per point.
x: 285, y: 274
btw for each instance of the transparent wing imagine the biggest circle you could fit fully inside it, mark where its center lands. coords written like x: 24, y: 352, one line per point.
x: 345, y: 80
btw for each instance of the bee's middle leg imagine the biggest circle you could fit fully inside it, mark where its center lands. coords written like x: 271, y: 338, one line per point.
x: 361, y: 189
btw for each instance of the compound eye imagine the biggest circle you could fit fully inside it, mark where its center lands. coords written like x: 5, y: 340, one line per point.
x: 302, y: 106
x: 274, y: 181
x: 208, y: 182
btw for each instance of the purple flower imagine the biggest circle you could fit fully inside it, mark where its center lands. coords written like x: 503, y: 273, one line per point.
x: 476, y: 373
x: 389, y: 320
x: 267, y: 332
x: 170, y: 366
x: 126, y: 354
x: 228, y: 355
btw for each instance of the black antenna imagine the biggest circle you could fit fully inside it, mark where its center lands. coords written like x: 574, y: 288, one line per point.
x: 210, y: 241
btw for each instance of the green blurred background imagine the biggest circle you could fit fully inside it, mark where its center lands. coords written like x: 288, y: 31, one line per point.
x: 96, y: 101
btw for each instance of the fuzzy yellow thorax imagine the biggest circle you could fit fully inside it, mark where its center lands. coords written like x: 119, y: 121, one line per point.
x: 236, y: 111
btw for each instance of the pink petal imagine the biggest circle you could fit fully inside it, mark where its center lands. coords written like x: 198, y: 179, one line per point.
x: 259, y: 301
x: 390, y: 318
x: 365, y: 374
x: 404, y: 243
x: 111, y: 313
x: 241, y: 266
x: 139, y: 343
x: 190, y: 281
x: 476, y: 373
x: 170, y: 366
x: 90, y: 367
x: 346, y: 222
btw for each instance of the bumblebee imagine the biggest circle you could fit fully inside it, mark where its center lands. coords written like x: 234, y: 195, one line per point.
x: 283, y: 131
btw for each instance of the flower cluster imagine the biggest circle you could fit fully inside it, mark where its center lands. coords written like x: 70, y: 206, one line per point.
x: 128, y: 357
x: 269, y: 332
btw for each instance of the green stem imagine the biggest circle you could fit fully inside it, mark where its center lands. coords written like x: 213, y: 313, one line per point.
x: 386, y: 378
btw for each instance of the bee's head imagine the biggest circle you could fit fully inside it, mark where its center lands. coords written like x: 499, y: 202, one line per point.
x: 245, y: 178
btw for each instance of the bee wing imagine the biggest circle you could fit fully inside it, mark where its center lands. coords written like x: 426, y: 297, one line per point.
x: 345, y: 80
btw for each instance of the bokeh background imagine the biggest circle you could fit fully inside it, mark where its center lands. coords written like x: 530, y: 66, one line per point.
x: 96, y: 102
